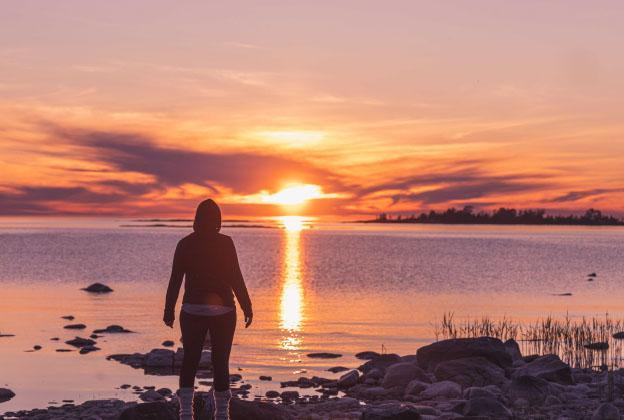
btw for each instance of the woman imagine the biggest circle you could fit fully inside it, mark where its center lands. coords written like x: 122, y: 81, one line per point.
x: 208, y: 260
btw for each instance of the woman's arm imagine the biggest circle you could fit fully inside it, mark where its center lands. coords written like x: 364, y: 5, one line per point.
x: 240, y: 290
x: 175, y: 282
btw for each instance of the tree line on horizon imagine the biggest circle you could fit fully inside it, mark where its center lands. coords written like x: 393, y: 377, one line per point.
x: 503, y: 216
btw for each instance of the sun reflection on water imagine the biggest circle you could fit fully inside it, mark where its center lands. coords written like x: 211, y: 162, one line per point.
x: 292, y: 306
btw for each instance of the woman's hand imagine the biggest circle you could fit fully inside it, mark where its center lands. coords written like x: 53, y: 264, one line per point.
x: 248, y: 319
x: 168, y: 319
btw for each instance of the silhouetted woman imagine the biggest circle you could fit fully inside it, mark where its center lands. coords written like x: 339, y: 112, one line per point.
x: 208, y: 261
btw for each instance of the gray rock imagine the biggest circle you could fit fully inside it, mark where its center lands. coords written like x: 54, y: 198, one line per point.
x: 98, y: 288
x: 415, y: 387
x: 400, y: 374
x: 606, y: 411
x: 478, y: 392
x: 471, y: 371
x: 529, y: 388
x: 151, y: 396
x: 486, y: 407
x: 348, y: 379
x: 289, y: 395
x: 381, y: 362
x: 489, y: 348
x: 552, y: 400
x: 6, y: 394
x: 444, y: 389
x: 272, y: 394
x: 513, y: 349
x: 548, y: 367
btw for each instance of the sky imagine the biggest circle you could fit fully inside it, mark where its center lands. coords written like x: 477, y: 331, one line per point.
x: 340, y: 109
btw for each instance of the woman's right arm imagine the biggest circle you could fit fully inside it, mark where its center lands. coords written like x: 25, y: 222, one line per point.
x: 173, y: 290
x: 240, y: 289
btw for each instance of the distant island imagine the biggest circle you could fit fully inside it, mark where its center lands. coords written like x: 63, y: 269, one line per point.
x: 502, y: 216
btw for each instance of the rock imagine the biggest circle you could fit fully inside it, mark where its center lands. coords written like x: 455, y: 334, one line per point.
x: 265, y: 378
x: 479, y: 392
x: 168, y: 343
x: 159, y: 358
x: 112, y: 329
x: 381, y: 362
x: 400, y: 374
x: 289, y: 395
x: 80, y: 342
x: 486, y: 407
x: 348, y: 379
x: 151, y: 396
x: 75, y: 327
x: 36, y: 347
x: 606, y: 411
x: 6, y: 394
x: 601, y: 345
x: 529, y: 388
x: 68, y: 317
x: 394, y: 411
x: 98, y: 288
x: 88, y: 349
x: 150, y: 411
x: 337, y: 369
x: 491, y: 349
x: 367, y: 355
x: 324, y: 355
x: 255, y: 410
x: 552, y: 400
x: 548, y: 367
x: 619, y: 335
x: 513, y: 349
x: 63, y: 350
x: 415, y: 387
x: 272, y: 394
x: 470, y: 371
x: 592, y: 275
x: 444, y: 389
x: 94, y: 336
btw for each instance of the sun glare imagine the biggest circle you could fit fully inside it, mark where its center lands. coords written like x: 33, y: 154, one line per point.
x: 293, y: 223
x: 295, y: 194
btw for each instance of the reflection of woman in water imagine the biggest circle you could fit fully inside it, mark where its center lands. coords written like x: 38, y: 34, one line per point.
x: 208, y: 261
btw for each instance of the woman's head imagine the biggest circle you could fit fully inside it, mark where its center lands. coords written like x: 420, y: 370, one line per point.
x: 207, y: 217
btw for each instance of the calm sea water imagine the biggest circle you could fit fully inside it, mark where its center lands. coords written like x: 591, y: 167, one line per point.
x: 340, y: 288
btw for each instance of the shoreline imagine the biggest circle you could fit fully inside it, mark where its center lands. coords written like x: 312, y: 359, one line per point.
x: 448, y: 379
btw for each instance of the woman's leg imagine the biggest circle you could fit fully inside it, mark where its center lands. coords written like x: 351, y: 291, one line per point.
x: 194, y: 330
x: 221, y: 335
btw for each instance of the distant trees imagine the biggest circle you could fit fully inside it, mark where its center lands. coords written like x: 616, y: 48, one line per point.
x: 502, y: 216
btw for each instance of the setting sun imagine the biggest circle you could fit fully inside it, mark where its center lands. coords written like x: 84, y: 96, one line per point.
x: 295, y: 195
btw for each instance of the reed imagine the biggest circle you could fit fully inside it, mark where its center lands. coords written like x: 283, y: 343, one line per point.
x: 568, y: 338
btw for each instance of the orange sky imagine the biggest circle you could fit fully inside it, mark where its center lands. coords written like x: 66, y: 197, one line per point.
x: 145, y: 107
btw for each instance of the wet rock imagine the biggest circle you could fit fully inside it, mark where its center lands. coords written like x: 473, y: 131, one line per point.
x: 265, y: 378
x: 491, y: 349
x: 7, y: 335
x: 549, y: 367
x: 367, y: 355
x: 97, y: 288
x: 381, y: 362
x: 606, y: 411
x: 324, y: 355
x: 75, y: 327
x: 400, y: 374
x: 168, y: 343
x: 470, y: 371
x: 54, y: 339
x: 392, y: 411
x: 348, y: 379
x: 114, y: 329
x: 337, y: 369
x: 94, y: 336
x: 68, y: 317
x: 6, y: 394
x: 80, y: 342
x: 272, y: 394
x: 619, y: 335
x: 63, y: 350
x: 529, y: 388
x: 601, y: 345
x: 289, y: 395
x: 486, y: 407
x: 444, y: 389
x: 159, y: 358
x: 36, y: 347
x: 88, y: 349
x: 151, y: 396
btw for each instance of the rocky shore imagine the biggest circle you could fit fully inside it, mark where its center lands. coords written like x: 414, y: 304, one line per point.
x: 472, y: 378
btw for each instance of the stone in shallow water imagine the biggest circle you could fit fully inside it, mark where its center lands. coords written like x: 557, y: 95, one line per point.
x: 324, y: 355
x: 75, y: 327
x: 601, y: 345
x: 88, y: 349
x: 168, y: 343
x: 97, y: 288
x: 6, y: 394
x: 112, y: 329
x: 337, y: 369
x: 367, y: 355
x: 80, y: 342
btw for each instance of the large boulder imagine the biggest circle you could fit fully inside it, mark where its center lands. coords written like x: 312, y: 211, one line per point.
x: 491, y: 349
x: 486, y: 407
x: 400, y: 374
x: 549, y: 367
x: 513, y: 349
x: 348, y: 379
x: 471, y: 371
x: 529, y: 388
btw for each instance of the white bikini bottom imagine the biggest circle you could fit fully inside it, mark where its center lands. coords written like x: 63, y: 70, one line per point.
x: 205, y: 309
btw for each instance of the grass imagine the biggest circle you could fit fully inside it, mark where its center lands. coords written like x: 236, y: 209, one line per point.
x: 565, y: 337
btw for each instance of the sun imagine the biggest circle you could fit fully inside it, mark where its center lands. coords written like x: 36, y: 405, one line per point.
x: 295, y: 195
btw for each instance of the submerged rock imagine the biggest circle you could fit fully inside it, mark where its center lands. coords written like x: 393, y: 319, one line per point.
x: 80, y: 342
x: 337, y: 369
x: 75, y: 327
x: 491, y: 349
x: 367, y: 355
x: 601, y: 345
x: 6, y: 394
x: 68, y: 317
x: 112, y: 329
x: 168, y: 343
x: 97, y: 288
x: 88, y: 349
x: 324, y: 355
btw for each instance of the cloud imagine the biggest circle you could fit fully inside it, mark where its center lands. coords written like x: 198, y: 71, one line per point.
x: 579, y: 195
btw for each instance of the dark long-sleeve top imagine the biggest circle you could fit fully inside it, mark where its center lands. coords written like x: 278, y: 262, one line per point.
x: 209, y: 265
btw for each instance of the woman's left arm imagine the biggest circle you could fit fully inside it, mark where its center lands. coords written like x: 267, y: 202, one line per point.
x: 173, y: 290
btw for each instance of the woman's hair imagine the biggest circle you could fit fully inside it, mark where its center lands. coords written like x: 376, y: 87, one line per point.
x: 207, y: 217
